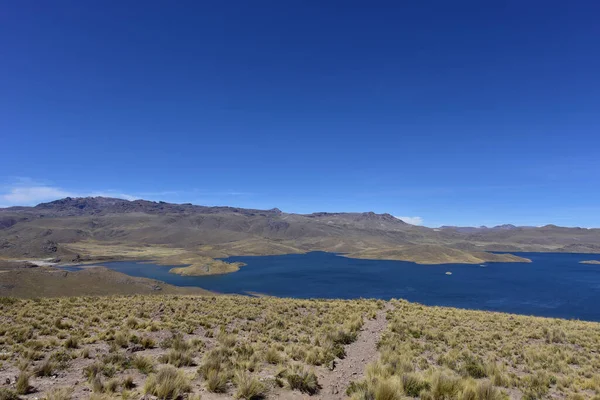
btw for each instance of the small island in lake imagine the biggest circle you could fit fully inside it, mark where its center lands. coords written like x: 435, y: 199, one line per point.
x: 207, y: 266
x: 595, y: 262
x: 434, y: 254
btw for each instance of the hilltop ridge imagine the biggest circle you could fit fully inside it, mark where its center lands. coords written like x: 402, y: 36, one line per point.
x: 80, y: 229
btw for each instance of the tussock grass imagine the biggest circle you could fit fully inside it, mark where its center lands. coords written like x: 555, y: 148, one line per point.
x: 22, y: 385
x: 128, y: 383
x: 63, y: 393
x: 167, y: 383
x: 143, y: 364
x: 177, y: 358
x: 248, y: 387
x: 445, y: 353
x: 216, y: 381
x: 302, y: 379
x: 46, y: 368
x: 7, y: 394
x: 425, y: 352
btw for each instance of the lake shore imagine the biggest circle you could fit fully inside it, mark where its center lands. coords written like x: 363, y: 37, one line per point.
x: 498, y: 287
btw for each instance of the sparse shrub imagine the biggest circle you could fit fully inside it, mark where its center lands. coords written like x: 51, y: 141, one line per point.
x: 413, y: 384
x: 60, y: 324
x: 6, y: 394
x: 536, y: 386
x: 486, y: 391
x: 388, y: 389
x: 111, y: 386
x: 313, y: 357
x: 93, y: 370
x: 21, y: 335
x: 46, y: 368
x: 23, y: 365
x: 177, y: 358
x: 216, y: 359
x: 303, y: 380
x: 97, y: 384
x: 272, y: 356
x: 248, y: 387
x: 33, y: 355
x: 226, y: 340
x: 359, y: 390
x: 143, y: 364
x: 296, y: 353
x: 175, y: 342
x: 85, y: 353
x: 444, y: 386
x: 469, y: 392
x: 22, y: 385
x: 167, y: 383
x: 71, y: 343
x: 216, y: 381
x: 132, y: 323
x: 128, y: 383
x: 117, y: 358
x: 63, y: 393
x: 474, y: 367
x: 555, y: 335
x: 121, y: 340
x: 342, y: 335
x: 147, y: 342
x: 61, y: 358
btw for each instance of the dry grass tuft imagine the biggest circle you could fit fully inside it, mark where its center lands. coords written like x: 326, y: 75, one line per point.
x: 425, y: 352
x: 167, y: 383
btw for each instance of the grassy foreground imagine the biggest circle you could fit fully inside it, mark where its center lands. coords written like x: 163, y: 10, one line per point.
x: 445, y: 353
x: 231, y: 346
x: 171, y: 346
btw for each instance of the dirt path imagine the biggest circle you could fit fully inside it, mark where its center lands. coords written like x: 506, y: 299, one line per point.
x: 358, y: 355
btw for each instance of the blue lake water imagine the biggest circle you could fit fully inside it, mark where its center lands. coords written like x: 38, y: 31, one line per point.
x: 554, y: 284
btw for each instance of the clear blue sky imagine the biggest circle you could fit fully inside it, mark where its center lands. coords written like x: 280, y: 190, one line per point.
x: 462, y: 112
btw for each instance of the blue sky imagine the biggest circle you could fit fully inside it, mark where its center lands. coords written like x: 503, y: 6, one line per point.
x: 463, y: 113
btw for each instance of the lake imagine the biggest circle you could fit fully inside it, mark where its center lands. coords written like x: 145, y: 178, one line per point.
x: 553, y: 285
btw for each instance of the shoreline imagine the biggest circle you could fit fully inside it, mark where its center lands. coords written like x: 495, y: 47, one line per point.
x: 97, y: 260
x: 101, y: 274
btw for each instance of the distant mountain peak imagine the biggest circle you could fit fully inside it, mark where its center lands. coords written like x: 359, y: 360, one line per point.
x: 505, y: 226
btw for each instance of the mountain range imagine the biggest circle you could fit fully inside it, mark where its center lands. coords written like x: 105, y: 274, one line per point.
x: 92, y: 228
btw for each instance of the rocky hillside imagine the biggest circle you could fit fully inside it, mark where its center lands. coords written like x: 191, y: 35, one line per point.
x: 82, y: 228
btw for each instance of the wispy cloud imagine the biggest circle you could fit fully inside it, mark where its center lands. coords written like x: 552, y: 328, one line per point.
x: 411, y: 220
x: 27, y: 195
x: 22, y: 191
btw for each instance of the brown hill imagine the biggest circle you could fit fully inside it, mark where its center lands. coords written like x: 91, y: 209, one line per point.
x: 31, y: 281
x: 80, y: 229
